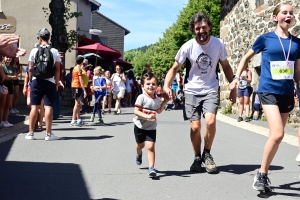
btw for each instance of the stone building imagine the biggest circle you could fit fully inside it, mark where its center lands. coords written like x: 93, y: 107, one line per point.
x: 242, y: 21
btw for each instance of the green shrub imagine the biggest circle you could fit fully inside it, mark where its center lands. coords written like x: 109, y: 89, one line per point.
x: 227, y: 110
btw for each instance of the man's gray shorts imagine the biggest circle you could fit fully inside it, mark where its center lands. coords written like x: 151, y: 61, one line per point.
x: 195, y: 105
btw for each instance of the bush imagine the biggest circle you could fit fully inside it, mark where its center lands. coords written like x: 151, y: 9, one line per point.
x: 227, y: 109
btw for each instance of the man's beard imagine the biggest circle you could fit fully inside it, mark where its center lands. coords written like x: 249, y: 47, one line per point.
x: 203, y: 37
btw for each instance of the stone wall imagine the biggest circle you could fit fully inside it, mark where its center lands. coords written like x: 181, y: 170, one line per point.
x: 240, y: 28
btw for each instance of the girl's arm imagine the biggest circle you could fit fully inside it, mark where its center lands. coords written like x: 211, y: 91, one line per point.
x: 124, y: 78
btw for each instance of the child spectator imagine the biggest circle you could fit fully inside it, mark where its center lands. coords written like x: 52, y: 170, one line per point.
x: 109, y: 94
x: 99, y: 89
x: 159, y: 90
x: 146, y: 107
x: 256, y: 107
x: 89, y: 93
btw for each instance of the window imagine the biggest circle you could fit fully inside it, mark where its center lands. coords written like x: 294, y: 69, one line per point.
x: 103, y: 40
x: 0, y: 7
x: 259, y: 3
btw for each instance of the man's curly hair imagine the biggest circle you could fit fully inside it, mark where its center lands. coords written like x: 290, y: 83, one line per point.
x: 197, y: 18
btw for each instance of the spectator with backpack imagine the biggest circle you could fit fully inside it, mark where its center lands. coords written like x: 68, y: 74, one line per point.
x: 44, y: 71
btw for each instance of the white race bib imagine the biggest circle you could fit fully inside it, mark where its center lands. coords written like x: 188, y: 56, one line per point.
x: 282, y: 70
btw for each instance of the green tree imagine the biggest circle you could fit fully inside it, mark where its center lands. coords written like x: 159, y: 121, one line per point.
x: 161, y: 54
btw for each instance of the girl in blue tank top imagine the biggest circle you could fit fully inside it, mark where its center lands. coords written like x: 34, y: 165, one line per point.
x: 279, y: 66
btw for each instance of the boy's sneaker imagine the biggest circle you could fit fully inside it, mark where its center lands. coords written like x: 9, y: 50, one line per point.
x: 209, y: 162
x: 151, y: 172
x: 92, y: 118
x: 298, y: 158
x: 196, y: 166
x: 100, y: 121
x: 240, y: 119
x: 75, y: 124
x: 261, y: 182
x: 29, y: 136
x: 138, y: 159
x: 247, y: 119
x: 52, y: 137
x: 7, y: 124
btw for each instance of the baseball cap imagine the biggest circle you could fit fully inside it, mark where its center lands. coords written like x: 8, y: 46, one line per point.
x: 79, y: 59
x: 43, y: 32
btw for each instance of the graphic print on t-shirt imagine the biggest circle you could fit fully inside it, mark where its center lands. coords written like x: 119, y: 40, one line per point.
x: 204, y: 61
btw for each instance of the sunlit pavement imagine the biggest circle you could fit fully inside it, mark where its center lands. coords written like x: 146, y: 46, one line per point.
x: 98, y: 162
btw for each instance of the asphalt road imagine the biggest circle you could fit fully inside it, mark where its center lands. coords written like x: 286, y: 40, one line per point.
x: 98, y: 162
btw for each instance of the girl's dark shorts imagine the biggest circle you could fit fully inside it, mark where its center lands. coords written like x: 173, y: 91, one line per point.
x: 142, y: 135
x: 285, y: 103
x: 16, y: 82
x: 10, y: 86
x: 245, y: 92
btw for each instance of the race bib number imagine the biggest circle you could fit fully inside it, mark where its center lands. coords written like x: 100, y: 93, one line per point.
x: 282, y: 70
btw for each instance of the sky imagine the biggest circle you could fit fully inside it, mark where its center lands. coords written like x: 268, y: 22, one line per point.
x: 146, y: 20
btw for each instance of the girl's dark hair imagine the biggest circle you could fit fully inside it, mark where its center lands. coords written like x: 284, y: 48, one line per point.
x: 149, y: 75
x: 197, y: 18
x: 130, y: 75
x: 17, y: 63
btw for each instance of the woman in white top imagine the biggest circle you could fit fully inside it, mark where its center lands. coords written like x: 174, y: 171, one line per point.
x: 118, y: 82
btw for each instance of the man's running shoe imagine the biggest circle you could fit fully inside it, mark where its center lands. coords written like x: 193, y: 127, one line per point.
x: 240, y: 119
x: 151, y: 172
x: 209, y: 162
x: 52, y: 137
x: 262, y: 182
x: 196, y: 166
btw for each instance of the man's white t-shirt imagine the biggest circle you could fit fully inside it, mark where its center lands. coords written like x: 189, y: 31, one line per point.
x: 202, y: 77
x: 56, y: 58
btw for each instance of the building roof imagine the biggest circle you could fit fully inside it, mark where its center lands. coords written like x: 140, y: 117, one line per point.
x: 126, y: 30
x: 95, y: 2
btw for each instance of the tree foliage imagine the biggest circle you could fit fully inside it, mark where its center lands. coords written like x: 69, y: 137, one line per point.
x: 161, y: 54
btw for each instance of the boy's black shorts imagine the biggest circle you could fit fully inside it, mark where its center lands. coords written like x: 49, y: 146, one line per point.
x: 142, y: 135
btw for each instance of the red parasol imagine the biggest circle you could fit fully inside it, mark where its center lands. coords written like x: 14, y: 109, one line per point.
x: 100, y: 49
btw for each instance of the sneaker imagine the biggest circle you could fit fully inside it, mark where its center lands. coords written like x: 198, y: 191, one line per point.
x: 261, y: 182
x: 115, y: 111
x: 7, y: 124
x: 298, y: 158
x: 1, y: 124
x: 151, y: 172
x: 109, y: 111
x: 16, y: 111
x: 12, y: 111
x: 119, y: 111
x: 196, y: 166
x: 255, y: 119
x: 240, y: 119
x: 247, y: 119
x: 138, y: 159
x: 75, y: 124
x: 52, y: 137
x: 82, y: 123
x: 209, y: 162
x: 92, y: 118
x: 100, y: 121
x: 29, y: 136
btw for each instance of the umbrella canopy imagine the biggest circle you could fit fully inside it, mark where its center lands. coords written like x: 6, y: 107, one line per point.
x: 100, y: 49
x: 92, y: 57
x: 124, y: 64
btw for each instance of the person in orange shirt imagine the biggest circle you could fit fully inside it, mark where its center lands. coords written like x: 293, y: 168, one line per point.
x: 159, y: 90
x: 77, y: 91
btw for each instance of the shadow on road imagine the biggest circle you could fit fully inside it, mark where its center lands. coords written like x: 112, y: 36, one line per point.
x: 286, y: 187
x: 36, y: 180
x: 242, y: 169
x: 88, y: 137
x: 116, y: 123
x: 162, y: 174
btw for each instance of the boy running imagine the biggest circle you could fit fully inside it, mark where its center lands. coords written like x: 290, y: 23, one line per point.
x: 146, y: 107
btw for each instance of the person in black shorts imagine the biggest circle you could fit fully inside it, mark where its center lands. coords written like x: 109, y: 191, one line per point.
x: 146, y: 107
